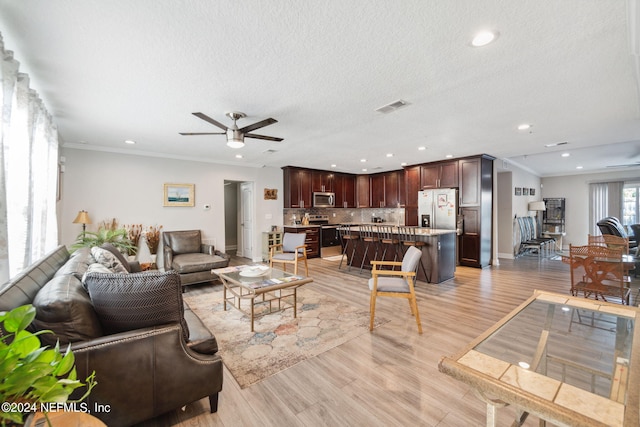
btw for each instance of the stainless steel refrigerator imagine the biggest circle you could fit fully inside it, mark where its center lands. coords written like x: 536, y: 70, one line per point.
x: 438, y: 208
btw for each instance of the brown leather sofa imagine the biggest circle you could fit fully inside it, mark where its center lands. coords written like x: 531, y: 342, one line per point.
x: 148, y: 358
x: 185, y: 253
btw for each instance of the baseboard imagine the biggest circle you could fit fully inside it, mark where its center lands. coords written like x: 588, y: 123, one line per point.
x: 506, y: 256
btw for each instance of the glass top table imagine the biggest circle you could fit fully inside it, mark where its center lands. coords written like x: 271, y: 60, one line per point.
x: 269, y: 289
x: 564, y: 359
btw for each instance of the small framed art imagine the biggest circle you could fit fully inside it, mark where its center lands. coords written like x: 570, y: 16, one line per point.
x: 532, y: 191
x: 525, y: 191
x: 518, y: 191
x: 179, y: 195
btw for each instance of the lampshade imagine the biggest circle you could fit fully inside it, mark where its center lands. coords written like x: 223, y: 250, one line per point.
x: 82, y: 218
x: 537, y: 206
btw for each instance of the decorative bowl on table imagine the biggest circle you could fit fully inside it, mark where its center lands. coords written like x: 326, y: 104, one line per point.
x: 254, y: 271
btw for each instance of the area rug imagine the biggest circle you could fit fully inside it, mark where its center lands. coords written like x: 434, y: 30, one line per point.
x: 280, y: 340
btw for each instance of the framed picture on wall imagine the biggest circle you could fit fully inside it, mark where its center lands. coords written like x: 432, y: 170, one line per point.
x: 179, y: 195
x: 532, y: 191
x: 525, y: 191
x: 518, y: 191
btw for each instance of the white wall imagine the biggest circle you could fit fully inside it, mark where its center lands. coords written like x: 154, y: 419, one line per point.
x: 575, y: 189
x: 130, y: 189
x: 510, y: 205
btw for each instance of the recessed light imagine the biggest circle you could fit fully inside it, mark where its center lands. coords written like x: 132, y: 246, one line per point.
x: 238, y: 156
x: 566, y: 154
x: 483, y: 38
x: 578, y: 167
x: 448, y: 156
x: 129, y: 141
x: 334, y: 165
x: 403, y: 164
x: 422, y: 148
x: 389, y: 154
x: 524, y: 126
x: 364, y: 170
x: 363, y: 160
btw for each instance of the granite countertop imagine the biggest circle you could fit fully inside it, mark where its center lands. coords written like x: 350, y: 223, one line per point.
x: 300, y: 226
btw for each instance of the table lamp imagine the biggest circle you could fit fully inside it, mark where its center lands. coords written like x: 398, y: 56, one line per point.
x: 82, y: 218
x: 537, y: 207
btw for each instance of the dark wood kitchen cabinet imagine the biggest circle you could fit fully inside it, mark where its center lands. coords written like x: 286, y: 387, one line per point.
x: 362, y: 191
x: 476, y: 191
x: 344, y: 186
x: 386, y: 189
x: 322, y: 181
x: 412, y: 186
x: 297, y: 187
x: 439, y: 175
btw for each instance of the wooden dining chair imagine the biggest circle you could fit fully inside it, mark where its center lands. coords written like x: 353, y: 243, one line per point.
x: 291, y: 251
x: 396, y: 283
x: 598, y: 272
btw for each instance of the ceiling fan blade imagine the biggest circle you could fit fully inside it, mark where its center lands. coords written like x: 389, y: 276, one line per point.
x: 202, y: 133
x: 210, y: 120
x: 258, y: 125
x: 268, y: 138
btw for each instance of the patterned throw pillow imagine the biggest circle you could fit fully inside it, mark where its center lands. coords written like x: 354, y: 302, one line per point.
x: 108, y: 259
x: 125, y: 302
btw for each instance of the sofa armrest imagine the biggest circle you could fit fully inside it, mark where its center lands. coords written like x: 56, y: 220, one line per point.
x: 144, y: 373
x: 223, y: 255
x: 168, y: 258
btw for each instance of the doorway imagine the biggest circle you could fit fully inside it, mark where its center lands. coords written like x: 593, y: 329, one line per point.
x: 238, y: 217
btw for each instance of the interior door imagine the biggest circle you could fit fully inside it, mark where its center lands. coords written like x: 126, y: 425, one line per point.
x: 246, y: 219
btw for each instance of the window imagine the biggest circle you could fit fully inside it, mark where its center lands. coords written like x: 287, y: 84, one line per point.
x: 630, y: 203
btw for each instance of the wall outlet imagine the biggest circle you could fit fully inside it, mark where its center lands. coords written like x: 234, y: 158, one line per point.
x: 334, y: 215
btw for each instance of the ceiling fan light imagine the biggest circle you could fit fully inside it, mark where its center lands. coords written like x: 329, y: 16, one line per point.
x: 235, y: 143
x: 235, y: 138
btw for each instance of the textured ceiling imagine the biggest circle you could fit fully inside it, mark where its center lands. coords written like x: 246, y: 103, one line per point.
x: 115, y: 70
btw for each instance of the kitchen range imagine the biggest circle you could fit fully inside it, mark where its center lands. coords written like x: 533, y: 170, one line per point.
x: 329, y: 236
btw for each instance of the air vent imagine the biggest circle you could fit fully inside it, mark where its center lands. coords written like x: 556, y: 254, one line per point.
x: 269, y: 151
x: 628, y: 165
x: 386, y: 109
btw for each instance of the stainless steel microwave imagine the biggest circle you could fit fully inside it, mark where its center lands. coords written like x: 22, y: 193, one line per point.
x: 324, y: 200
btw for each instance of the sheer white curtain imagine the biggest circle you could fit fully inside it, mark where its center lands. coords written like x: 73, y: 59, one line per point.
x: 605, y: 199
x: 28, y: 172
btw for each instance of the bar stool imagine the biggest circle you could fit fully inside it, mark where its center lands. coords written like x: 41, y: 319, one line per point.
x: 347, y: 236
x: 369, y: 237
x: 388, y: 241
x: 407, y: 236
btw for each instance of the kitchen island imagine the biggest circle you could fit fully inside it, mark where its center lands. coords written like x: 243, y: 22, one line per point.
x: 438, y: 254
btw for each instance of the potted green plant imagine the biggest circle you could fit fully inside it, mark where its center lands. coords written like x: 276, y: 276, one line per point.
x: 118, y: 238
x: 33, y: 377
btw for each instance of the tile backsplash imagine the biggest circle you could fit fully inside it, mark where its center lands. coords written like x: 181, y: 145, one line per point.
x: 394, y: 216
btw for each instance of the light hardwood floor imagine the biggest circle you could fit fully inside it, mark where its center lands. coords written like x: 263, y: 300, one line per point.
x: 388, y: 377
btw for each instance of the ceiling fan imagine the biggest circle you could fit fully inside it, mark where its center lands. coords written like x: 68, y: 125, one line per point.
x: 235, y: 136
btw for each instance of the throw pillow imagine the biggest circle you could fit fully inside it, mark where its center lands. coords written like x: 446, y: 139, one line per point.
x: 125, y: 302
x: 108, y: 259
x: 64, y: 307
x: 117, y: 254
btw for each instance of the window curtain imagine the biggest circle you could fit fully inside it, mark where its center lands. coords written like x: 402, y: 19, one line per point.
x: 605, y: 199
x: 28, y: 172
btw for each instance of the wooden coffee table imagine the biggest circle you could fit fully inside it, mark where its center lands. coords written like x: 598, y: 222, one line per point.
x: 259, y: 285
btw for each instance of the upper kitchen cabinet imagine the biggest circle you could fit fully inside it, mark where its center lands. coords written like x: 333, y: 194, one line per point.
x: 412, y: 186
x: 476, y: 178
x: 439, y: 175
x: 297, y: 187
x: 322, y: 181
x: 386, y: 189
x: 362, y: 191
x: 344, y: 186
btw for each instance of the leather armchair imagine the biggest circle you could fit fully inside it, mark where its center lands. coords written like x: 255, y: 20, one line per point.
x: 185, y: 253
x: 612, y: 225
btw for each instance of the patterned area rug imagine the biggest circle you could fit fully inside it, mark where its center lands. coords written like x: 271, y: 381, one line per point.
x: 279, y: 340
